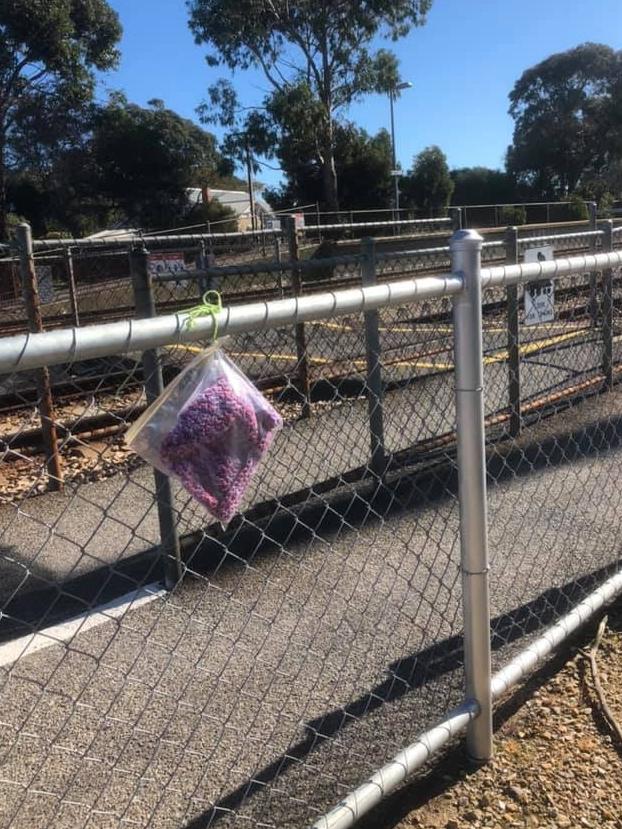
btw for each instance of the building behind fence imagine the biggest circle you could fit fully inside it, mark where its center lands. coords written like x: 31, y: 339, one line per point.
x: 440, y: 511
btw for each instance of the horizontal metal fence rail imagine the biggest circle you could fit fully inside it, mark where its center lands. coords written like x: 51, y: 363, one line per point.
x: 444, y: 222
x: 560, y: 237
x: 502, y: 276
x: 28, y: 351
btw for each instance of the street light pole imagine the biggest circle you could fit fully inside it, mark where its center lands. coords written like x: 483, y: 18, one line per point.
x: 396, y: 183
x: 396, y: 194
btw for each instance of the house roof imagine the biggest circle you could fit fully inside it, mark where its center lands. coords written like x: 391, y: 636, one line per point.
x: 236, y: 200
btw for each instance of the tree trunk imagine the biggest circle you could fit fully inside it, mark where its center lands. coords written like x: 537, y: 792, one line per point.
x: 329, y: 172
x: 4, y: 225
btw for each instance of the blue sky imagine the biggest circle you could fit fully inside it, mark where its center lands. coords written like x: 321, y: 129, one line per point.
x: 462, y: 63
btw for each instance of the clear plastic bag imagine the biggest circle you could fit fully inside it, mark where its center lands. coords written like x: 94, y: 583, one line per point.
x: 209, y: 429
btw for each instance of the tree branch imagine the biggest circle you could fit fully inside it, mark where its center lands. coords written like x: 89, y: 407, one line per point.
x: 591, y: 658
x: 262, y: 62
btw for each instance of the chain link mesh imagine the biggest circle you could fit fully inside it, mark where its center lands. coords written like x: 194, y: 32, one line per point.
x: 320, y: 632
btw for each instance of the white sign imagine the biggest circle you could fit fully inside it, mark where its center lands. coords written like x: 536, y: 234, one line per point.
x: 45, y: 284
x: 299, y: 220
x: 539, y: 296
x: 161, y: 263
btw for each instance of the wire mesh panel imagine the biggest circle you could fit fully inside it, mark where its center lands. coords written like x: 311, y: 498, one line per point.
x: 306, y: 642
x: 553, y: 499
x: 320, y: 631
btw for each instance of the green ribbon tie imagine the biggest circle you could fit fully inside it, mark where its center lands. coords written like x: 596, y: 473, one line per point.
x: 206, y: 309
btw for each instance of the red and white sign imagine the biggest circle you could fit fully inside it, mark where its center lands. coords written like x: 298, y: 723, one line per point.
x: 166, y: 263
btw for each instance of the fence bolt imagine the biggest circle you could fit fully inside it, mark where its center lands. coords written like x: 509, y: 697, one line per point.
x: 466, y: 246
x: 145, y: 307
x: 71, y: 281
x: 374, y: 366
x: 30, y: 290
x: 514, y: 378
x: 304, y: 387
x: 607, y: 228
x: 593, y: 306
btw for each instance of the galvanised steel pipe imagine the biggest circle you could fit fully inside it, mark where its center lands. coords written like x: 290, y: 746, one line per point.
x: 383, y: 223
x: 528, y: 659
x: 155, y: 240
x: 383, y: 782
x: 503, y: 275
x: 28, y: 351
x: 389, y: 777
x: 558, y: 237
x: 466, y: 249
x: 423, y: 252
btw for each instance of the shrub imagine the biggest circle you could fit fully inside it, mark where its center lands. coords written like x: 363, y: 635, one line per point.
x: 514, y: 215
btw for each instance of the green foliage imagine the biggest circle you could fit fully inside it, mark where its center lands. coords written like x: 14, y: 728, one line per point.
x: 124, y: 164
x: 321, y: 50
x: 428, y: 186
x: 568, y: 120
x: 49, y: 52
x: 363, y: 164
x: 512, y: 215
x: 577, y: 209
x: 147, y: 157
x: 481, y: 185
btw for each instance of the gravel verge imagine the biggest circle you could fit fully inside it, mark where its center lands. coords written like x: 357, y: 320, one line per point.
x: 558, y: 764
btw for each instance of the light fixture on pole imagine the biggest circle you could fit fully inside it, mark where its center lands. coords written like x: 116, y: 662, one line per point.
x: 395, y: 172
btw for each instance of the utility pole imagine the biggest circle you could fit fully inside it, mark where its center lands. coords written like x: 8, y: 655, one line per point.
x: 395, y: 172
x: 396, y: 183
x: 251, y: 194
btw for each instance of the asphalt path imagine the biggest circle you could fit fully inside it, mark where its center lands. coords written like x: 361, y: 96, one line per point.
x: 257, y: 694
x: 263, y: 689
x: 54, y: 537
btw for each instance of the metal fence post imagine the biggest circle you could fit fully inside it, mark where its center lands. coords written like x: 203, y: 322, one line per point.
x: 374, y: 366
x: 455, y: 214
x: 593, y: 306
x: 277, y: 258
x: 154, y: 385
x: 466, y: 248
x: 71, y: 281
x: 304, y: 387
x: 608, y: 307
x: 514, y: 384
x: 32, y: 302
x: 201, y: 264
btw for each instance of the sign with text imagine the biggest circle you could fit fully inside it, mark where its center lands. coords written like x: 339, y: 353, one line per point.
x: 166, y: 263
x: 539, y: 296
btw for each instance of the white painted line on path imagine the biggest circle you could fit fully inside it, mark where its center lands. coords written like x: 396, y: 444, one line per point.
x: 64, y: 632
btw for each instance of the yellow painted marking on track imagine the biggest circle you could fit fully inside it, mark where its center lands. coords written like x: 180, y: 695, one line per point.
x: 193, y: 349
x: 490, y: 359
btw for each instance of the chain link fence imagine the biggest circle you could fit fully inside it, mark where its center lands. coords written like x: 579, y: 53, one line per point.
x: 322, y: 631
